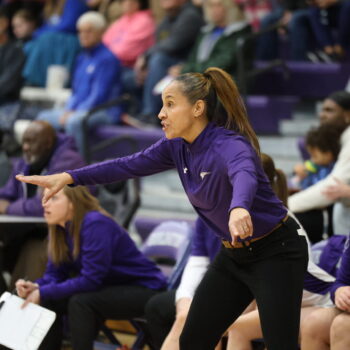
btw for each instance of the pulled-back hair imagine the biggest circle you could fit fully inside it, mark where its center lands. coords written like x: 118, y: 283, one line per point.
x: 276, y: 177
x: 83, y: 202
x: 224, y: 105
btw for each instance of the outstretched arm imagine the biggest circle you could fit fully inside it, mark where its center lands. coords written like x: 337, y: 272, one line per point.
x: 150, y: 161
x: 53, y: 183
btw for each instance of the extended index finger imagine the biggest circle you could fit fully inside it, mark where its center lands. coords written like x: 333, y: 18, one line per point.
x: 35, y: 180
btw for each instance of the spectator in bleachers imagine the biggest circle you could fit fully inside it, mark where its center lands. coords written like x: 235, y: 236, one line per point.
x: 326, y: 16
x: 309, y: 203
x: 335, y: 108
x: 216, y: 46
x: 294, y: 15
x: 55, y: 41
x: 24, y: 24
x: 44, y: 152
x: 96, y: 79
x: 175, y: 36
x: 95, y: 272
x: 328, y: 328
x: 323, y: 145
x: 62, y: 15
x: 131, y: 35
x: 11, y: 63
x: 255, y: 10
x: 166, y: 313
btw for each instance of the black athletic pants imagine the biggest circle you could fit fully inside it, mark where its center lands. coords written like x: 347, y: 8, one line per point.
x: 87, y: 312
x: 160, y: 313
x: 271, y: 270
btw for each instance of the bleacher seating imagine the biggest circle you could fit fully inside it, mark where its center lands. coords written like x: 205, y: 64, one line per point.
x: 305, y: 79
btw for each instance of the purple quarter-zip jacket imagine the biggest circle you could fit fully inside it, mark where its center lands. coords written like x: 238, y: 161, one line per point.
x: 204, y: 241
x: 219, y: 171
x: 108, y: 256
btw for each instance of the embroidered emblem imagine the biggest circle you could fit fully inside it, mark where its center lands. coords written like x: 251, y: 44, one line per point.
x: 204, y: 173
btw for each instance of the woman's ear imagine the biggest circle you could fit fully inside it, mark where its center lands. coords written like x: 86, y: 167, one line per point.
x: 198, y: 108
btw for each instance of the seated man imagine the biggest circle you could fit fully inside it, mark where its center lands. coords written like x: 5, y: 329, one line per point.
x: 96, y: 79
x: 309, y: 203
x: 175, y: 36
x: 11, y: 63
x: 44, y: 152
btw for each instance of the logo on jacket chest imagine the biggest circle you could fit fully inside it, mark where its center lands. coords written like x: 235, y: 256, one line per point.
x: 202, y: 174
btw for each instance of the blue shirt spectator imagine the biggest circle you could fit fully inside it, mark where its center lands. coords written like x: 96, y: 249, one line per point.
x: 96, y: 79
x: 65, y: 21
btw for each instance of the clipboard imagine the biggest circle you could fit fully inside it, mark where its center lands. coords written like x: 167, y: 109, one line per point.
x: 23, y: 329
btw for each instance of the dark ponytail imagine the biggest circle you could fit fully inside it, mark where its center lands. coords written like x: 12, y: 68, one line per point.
x: 279, y: 186
x: 276, y: 177
x: 224, y: 105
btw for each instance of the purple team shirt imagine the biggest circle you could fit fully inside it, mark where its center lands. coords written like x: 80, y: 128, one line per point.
x: 219, y: 171
x: 108, y: 256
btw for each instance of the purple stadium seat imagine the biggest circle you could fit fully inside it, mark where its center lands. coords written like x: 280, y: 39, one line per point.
x: 266, y: 112
x: 134, y: 140
x: 310, y: 80
x: 144, y: 225
x: 167, y: 245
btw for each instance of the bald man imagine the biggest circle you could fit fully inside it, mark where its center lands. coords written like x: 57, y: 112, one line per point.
x: 44, y: 152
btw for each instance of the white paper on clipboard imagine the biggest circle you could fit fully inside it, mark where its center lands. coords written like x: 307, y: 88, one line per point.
x: 23, y: 329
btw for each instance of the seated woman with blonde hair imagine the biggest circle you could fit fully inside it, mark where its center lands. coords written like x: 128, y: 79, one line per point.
x: 94, y: 270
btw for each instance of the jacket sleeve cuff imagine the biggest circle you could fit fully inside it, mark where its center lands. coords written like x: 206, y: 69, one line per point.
x: 46, y: 291
x: 74, y: 177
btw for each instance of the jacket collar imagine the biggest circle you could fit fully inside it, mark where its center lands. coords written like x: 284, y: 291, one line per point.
x: 202, y: 140
x: 231, y: 28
